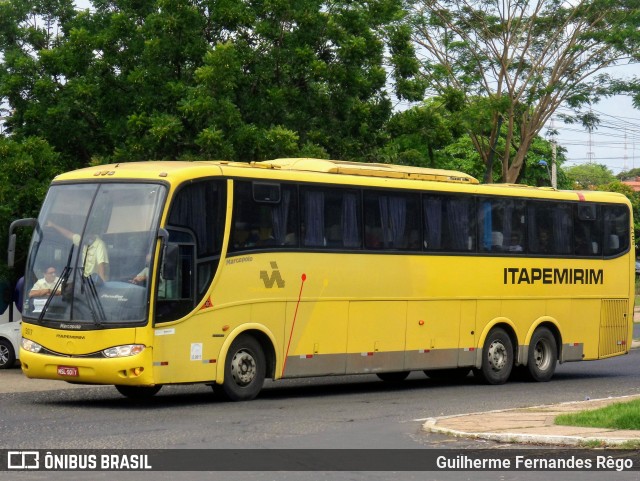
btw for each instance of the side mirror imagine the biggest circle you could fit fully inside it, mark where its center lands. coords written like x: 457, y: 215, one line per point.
x: 11, y: 249
x: 169, y: 261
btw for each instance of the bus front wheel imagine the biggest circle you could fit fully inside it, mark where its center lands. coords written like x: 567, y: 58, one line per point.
x: 244, y: 369
x: 497, y: 357
x: 543, y: 355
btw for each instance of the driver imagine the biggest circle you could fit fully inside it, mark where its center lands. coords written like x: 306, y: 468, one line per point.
x: 94, y: 252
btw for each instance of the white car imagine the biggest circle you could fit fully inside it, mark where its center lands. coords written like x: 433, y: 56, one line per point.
x: 10, y: 336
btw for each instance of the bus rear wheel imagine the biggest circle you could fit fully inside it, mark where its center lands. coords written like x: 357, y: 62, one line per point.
x: 543, y: 355
x: 139, y: 392
x: 244, y: 369
x: 497, y: 357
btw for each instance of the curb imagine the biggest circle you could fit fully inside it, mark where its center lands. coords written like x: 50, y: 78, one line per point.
x: 607, y: 439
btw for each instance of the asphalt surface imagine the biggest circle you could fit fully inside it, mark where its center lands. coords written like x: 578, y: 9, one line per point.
x: 532, y: 425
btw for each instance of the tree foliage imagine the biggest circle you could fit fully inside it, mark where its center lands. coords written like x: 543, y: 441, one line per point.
x: 435, y: 134
x: 523, y: 58
x: 167, y: 79
x: 589, y: 176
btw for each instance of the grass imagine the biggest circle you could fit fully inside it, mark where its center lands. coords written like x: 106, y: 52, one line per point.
x: 615, y: 416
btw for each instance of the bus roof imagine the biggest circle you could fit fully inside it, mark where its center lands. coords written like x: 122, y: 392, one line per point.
x: 340, y: 171
x: 367, y: 169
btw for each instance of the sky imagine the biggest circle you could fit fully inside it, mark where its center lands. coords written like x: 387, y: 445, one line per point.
x: 614, y: 143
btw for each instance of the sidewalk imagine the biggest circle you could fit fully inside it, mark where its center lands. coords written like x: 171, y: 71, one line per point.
x: 535, y: 425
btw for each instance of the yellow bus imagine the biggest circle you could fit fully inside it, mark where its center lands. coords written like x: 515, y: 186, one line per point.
x: 228, y: 273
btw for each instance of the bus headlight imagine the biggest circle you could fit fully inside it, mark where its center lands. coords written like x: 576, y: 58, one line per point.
x: 29, y: 345
x: 124, y: 351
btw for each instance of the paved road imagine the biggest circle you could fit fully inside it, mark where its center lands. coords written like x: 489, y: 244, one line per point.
x: 342, y: 412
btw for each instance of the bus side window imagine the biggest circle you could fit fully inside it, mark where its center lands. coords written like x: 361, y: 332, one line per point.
x: 550, y: 227
x: 263, y: 216
x: 390, y: 218
x: 330, y: 218
x: 501, y: 225
x: 449, y: 223
x: 587, y: 230
x: 616, y: 229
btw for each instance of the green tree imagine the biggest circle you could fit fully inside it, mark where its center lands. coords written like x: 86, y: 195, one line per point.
x: 589, y: 176
x: 28, y: 165
x: 167, y: 79
x: 631, y: 174
x: 434, y: 134
x: 523, y: 59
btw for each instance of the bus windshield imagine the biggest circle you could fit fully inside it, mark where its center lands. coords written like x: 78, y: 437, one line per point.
x: 90, y: 259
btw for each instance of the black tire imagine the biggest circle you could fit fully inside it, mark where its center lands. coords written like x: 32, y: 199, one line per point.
x: 393, y: 377
x: 453, y: 374
x: 497, y: 357
x: 543, y: 355
x: 139, y: 392
x: 7, y: 354
x: 244, y: 370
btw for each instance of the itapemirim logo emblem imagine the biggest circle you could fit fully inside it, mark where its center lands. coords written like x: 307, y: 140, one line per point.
x: 274, y: 278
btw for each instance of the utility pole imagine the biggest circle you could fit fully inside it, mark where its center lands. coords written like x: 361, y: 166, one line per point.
x: 554, y: 169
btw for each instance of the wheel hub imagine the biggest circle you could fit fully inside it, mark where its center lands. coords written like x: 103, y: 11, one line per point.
x: 4, y: 355
x: 541, y: 355
x: 243, y: 368
x: 497, y: 356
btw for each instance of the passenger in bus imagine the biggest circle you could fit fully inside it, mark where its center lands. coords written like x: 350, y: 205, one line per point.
x: 514, y: 244
x: 583, y: 248
x: 95, y: 258
x: 44, y: 286
x: 544, y: 245
x: 142, y: 276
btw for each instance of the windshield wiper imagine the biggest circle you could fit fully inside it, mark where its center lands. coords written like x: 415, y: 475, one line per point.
x: 93, y: 300
x: 61, y: 283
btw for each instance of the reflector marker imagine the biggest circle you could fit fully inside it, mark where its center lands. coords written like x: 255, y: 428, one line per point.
x: 162, y: 363
x: 209, y: 361
x: 424, y: 351
x: 366, y: 354
x: 469, y: 349
x: 306, y: 356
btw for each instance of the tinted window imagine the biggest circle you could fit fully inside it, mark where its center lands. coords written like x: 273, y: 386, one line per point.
x: 616, y: 229
x: 550, y: 228
x: 392, y: 221
x: 449, y: 223
x: 501, y: 224
x: 330, y: 218
x: 258, y: 223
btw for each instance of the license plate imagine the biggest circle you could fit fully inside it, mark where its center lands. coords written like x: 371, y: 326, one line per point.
x: 71, y: 371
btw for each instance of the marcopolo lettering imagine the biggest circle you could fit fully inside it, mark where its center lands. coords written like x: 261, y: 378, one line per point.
x: 549, y: 275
